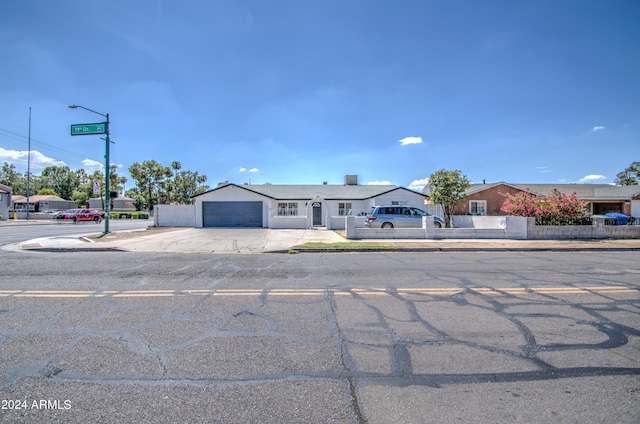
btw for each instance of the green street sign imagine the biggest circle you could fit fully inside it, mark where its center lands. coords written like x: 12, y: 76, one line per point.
x: 88, y: 129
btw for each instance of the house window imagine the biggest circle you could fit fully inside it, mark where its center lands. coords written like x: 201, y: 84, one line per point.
x: 400, y: 202
x: 478, y: 207
x: 287, y: 209
x: 344, y: 209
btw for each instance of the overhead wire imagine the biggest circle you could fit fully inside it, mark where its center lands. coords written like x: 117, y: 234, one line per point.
x: 20, y: 137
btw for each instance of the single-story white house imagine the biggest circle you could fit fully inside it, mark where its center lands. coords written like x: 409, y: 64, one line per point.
x: 296, y: 206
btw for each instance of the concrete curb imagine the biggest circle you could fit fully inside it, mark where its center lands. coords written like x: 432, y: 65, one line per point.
x: 462, y: 249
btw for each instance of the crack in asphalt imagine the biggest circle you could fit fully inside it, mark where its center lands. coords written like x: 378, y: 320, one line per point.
x: 386, y: 337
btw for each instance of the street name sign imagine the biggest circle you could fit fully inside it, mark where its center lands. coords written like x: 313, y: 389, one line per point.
x: 88, y: 129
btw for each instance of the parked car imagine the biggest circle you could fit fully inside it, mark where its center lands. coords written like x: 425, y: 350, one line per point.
x: 76, y: 215
x: 399, y: 217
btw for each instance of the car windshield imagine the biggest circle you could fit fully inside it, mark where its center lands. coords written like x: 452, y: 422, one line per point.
x: 417, y: 211
x: 71, y: 211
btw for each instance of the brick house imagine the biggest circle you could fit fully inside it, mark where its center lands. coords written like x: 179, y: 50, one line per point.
x: 486, y: 199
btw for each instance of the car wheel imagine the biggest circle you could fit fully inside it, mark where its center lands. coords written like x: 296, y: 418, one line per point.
x: 387, y: 225
x: 74, y: 219
x: 96, y: 219
x: 436, y: 224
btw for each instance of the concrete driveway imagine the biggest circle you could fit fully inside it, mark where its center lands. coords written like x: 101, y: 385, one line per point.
x: 191, y: 240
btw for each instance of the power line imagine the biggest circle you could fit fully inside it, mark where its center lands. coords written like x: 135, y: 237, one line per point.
x: 20, y: 137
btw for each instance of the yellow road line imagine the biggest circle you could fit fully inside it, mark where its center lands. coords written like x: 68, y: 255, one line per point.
x: 433, y: 291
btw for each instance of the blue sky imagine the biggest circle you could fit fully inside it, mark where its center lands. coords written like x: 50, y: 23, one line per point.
x: 301, y: 92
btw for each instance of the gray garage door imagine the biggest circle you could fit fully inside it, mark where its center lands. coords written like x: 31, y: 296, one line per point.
x: 232, y: 214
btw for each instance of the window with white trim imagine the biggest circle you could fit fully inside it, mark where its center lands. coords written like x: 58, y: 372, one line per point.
x: 478, y: 207
x: 344, y: 209
x: 399, y: 202
x: 287, y: 209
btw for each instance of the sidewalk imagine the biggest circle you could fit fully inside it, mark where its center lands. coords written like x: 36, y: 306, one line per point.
x: 263, y: 240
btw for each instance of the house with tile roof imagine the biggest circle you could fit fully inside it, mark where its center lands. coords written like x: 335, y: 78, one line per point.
x: 486, y: 199
x: 296, y: 206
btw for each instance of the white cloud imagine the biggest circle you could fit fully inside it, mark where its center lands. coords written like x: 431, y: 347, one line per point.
x: 418, y: 185
x: 38, y: 160
x: 597, y: 128
x: 379, y: 183
x: 591, y: 178
x: 254, y: 170
x: 410, y: 140
x: 242, y: 169
x: 92, y: 165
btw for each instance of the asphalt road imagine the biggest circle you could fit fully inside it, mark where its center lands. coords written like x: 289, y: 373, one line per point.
x: 352, y: 338
x: 13, y: 233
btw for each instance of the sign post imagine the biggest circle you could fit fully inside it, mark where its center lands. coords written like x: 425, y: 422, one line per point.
x: 91, y: 129
x: 96, y: 186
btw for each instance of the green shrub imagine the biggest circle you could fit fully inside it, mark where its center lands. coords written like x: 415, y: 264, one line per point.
x: 140, y: 215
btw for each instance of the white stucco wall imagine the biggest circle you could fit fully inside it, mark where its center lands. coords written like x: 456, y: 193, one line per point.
x: 635, y: 208
x: 231, y: 194
x: 174, y: 215
x: 480, y: 222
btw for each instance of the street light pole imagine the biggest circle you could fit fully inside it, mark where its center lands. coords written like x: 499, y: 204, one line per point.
x: 107, y: 168
x: 29, y: 167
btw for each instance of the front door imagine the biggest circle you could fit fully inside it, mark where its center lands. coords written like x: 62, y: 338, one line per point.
x: 317, y: 213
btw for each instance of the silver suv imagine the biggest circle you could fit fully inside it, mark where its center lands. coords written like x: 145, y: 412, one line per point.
x: 398, y: 217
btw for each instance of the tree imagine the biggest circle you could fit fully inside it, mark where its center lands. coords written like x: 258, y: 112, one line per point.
x: 61, y: 180
x: 630, y: 176
x: 185, y: 185
x: 11, y: 178
x: 84, y: 192
x: 448, y: 188
x: 149, y: 177
x: 47, y: 192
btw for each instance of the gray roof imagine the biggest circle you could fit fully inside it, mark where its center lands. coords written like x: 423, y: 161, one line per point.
x: 328, y: 192
x: 582, y: 191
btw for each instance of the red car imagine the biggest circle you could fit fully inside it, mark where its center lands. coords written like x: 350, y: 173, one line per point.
x: 76, y: 215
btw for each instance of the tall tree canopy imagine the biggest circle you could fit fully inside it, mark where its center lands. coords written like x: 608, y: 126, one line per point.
x: 149, y: 177
x: 448, y: 188
x: 630, y: 176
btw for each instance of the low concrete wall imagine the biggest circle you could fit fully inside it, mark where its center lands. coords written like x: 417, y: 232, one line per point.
x: 174, y: 215
x: 469, y: 233
x: 481, y: 222
x: 515, y: 227
x: 571, y: 232
x: 390, y: 233
x: 339, y: 222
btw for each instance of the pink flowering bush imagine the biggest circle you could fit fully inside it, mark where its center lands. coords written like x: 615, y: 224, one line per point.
x: 554, y: 209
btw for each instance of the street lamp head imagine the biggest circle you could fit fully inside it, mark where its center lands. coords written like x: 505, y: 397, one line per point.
x: 73, y: 107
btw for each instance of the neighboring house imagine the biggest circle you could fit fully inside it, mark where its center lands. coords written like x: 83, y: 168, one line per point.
x: 119, y: 204
x: 5, y: 201
x: 296, y: 206
x: 486, y: 199
x: 41, y: 203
